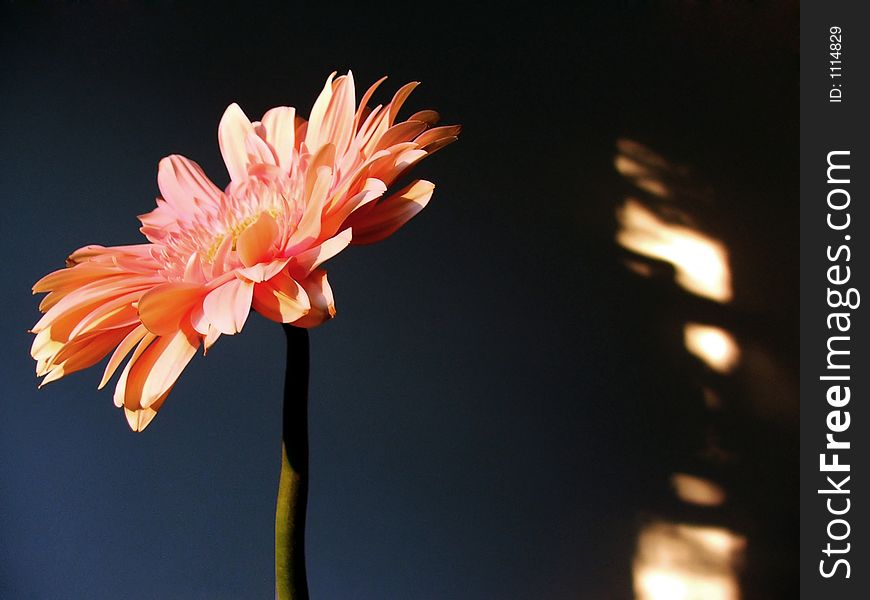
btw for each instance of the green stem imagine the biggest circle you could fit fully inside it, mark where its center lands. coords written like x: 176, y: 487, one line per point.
x: 290, y: 580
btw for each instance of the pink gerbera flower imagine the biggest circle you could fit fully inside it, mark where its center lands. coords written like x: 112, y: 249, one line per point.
x: 300, y: 192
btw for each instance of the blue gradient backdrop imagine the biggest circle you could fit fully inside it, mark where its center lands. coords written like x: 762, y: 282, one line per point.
x: 480, y: 409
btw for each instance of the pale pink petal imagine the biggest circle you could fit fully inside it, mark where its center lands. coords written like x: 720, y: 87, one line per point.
x: 198, y: 321
x: 314, y: 134
x: 258, y: 152
x: 280, y: 126
x: 181, y: 180
x: 233, y: 131
x: 305, y: 262
x: 338, y: 121
x: 227, y: 306
x: 210, y: 338
x: 263, y: 271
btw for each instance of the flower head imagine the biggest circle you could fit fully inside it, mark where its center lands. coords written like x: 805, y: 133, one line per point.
x: 300, y: 192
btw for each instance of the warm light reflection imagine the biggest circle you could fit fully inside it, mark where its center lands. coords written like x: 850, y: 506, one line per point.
x: 677, y: 561
x: 643, y: 176
x: 713, y: 345
x: 697, y: 490
x: 700, y: 262
x: 687, y: 562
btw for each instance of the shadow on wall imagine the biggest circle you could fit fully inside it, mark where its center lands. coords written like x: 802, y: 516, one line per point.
x: 712, y: 539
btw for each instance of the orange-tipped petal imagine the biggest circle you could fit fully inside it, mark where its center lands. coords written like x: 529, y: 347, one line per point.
x: 154, y: 372
x: 361, y: 111
x: 83, y: 353
x: 163, y: 308
x: 402, y: 132
x: 140, y: 418
x: 389, y: 215
x: 430, y: 117
x: 120, y: 312
x: 170, y: 360
x: 438, y: 133
x: 399, y: 99
x: 123, y: 349
x: 121, y: 397
x: 45, y: 346
x: 372, y: 190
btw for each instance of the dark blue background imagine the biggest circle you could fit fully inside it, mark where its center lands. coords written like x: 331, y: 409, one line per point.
x: 487, y: 412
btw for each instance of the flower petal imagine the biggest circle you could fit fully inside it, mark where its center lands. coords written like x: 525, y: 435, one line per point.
x: 120, y: 396
x: 233, y: 131
x: 171, y: 354
x: 338, y: 121
x: 123, y: 349
x: 255, y: 242
x: 227, y: 306
x: 313, y: 134
x: 399, y: 99
x: 149, y: 376
x: 263, y: 271
x: 258, y: 153
x: 372, y: 190
x: 361, y: 110
x: 383, y: 219
x: 162, y: 308
x: 281, y: 299
x: 303, y: 263
x: 140, y: 418
x: 280, y: 126
x: 322, y: 302
x: 82, y: 353
x: 181, y: 180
